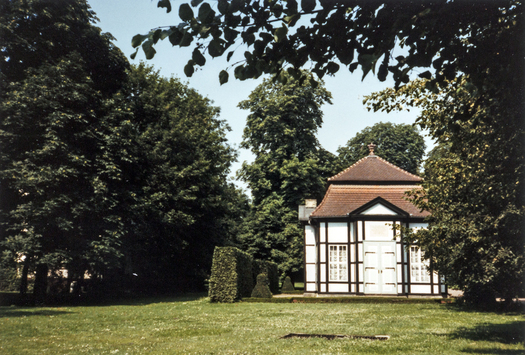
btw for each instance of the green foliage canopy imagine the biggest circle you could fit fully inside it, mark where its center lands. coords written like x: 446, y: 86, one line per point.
x: 289, y: 166
x: 102, y: 167
x: 180, y: 203
x: 281, y: 133
x: 399, y: 144
x: 54, y: 130
x: 36, y: 32
x: 476, y: 44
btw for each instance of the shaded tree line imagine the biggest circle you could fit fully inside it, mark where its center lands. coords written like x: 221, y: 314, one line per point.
x: 106, y: 169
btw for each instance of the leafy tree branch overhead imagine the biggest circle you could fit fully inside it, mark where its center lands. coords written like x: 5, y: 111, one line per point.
x: 289, y: 35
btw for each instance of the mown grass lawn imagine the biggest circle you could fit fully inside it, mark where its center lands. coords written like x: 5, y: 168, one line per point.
x: 191, y: 325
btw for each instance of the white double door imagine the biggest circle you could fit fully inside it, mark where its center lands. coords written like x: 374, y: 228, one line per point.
x: 380, y: 267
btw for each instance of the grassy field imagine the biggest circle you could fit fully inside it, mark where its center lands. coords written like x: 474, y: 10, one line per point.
x: 191, y: 325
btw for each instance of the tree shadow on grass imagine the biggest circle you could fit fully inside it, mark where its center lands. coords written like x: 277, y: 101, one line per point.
x: 96, y: 299
x: 90, y: 300
x: 507, y: 333
x: 493, y: 351
x: 498, y: 307
x: 15, y: 312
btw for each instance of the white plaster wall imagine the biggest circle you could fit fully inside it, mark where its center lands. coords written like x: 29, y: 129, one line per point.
x: 337, y: 232
x: 311, y: 273
x: 420, y: 288
x: 418, y: 225
x: 322, y: 233
x: 436, y: 277
x: 379, y: 209
x: 338, y: 287
x: 310, y: 256
x: 309, y: 235
x: 311, y: 287
x: 379, y: 230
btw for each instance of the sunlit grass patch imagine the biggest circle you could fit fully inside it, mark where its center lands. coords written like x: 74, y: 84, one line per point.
x: 192, y: 325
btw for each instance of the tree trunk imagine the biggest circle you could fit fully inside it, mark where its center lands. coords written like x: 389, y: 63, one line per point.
x: 40, y: 288
x: 23, y: 279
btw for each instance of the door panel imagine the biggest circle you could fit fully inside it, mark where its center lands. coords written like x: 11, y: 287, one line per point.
x: 380, y: 267
x: 388, y: 268
x: 371, y: 268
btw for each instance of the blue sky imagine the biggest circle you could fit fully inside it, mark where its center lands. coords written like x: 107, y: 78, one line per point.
x: 342, y: 120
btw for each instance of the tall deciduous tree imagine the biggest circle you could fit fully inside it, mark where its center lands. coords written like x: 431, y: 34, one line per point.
x: 401, y: 145
x: 99, y: 168
x: 289, y: 166
x: 52, y: 135
x: 180, y: 203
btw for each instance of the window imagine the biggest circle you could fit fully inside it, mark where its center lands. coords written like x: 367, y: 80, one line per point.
x: 338, y: 263
x: 418, y: 266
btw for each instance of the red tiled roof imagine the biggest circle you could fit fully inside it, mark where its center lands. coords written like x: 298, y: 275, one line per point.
x: 340, y: 200
x: 374, y: 169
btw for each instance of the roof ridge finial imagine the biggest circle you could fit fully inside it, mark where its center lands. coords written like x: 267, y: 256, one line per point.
x: 371, y: 148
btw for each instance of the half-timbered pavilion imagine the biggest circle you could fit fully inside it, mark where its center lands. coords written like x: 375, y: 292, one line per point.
x: 351, y: 245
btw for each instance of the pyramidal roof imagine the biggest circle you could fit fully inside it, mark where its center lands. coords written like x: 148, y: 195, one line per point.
x: 343, y: 200
x: 374, y: 170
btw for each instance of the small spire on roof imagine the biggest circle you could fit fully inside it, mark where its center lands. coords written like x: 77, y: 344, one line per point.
x: 371, y: 148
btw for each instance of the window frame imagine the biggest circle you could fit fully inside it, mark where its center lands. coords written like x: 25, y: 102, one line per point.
x: 419, y: 267
x: 338, y: 268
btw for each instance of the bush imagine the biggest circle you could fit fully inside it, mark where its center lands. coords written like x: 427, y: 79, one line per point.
x: 262, y: 290
x: 9, y: 280
x: 231, y: 275
x: 270, y: 269
x: 287, y: 285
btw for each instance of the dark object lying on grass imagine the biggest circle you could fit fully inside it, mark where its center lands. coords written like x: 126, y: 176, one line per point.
x: 336, y: 336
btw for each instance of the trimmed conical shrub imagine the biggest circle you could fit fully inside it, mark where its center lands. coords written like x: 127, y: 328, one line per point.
x: 287, y: 285
x: 262, y: 290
